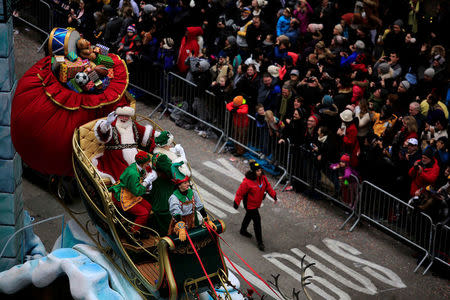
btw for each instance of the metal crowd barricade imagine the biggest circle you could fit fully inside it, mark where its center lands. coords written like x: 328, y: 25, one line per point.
x: 201, y: 105
x: 396, y: 217
x: 306, y: 168
x: 440, y: 250
x: 36, y: 14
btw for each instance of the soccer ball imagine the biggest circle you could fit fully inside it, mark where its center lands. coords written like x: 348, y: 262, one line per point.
x: 81, y: 78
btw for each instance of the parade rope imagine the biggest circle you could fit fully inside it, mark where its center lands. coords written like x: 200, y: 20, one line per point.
x: 229, y: 260
x: 226, y: 243
x: 201, y: 264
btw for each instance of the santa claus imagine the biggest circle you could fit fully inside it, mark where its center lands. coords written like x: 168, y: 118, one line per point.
x: 121, y: 136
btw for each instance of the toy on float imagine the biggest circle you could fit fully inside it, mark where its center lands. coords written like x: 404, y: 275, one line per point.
x: 75, y: 84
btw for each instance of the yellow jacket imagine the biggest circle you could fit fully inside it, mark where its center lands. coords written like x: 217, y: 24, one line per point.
x: 380, y: 126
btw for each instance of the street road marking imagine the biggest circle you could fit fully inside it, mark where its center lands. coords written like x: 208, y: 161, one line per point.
x: 226, y: 169
x: 213, y: 200
x: 212, y: 185
x: 344, y: 250
x: 212, y: 209
x: 252, y: 279
x: 349, y: 253
x: 274, y: 258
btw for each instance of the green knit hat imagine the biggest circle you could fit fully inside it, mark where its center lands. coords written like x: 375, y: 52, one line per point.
x: 177, y: 176
x: 163, y: 139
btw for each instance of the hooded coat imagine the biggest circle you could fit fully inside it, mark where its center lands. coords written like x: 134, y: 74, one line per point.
x: 189, y: 44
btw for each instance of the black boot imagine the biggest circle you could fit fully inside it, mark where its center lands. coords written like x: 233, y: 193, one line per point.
x: 261, y: 246
x: 245, y: 233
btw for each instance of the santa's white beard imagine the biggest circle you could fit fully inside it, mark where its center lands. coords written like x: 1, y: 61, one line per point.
x: 125, y: 130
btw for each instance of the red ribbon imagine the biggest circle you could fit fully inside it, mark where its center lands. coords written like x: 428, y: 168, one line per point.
x: 203, y: 267
x: 260, y: 278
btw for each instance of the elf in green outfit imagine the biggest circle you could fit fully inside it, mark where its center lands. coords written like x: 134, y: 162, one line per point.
x: 129, y: 191
x: 183, y: 205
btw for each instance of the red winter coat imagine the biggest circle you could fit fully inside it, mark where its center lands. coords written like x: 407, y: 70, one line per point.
x: 189, y: 44
x: 240, y: 118
x: 253, y: 191
x: 428, y: 176
x: 351, y: 144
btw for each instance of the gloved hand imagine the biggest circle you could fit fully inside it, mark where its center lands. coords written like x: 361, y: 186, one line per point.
x: 235, y: 205
x: 210, y: 223
x: 150, y: 178
x: 111, y: 117
x: 179, y: 150
x: 180, y: 229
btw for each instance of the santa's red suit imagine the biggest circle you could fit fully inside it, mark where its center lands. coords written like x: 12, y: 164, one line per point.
x: 121, y: 142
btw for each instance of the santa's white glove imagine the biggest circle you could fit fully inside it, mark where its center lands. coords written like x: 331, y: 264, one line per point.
x: 179, y: 151
x: 111, y: 117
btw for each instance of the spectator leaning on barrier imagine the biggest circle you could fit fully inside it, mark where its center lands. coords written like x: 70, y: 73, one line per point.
x: 424, y: 172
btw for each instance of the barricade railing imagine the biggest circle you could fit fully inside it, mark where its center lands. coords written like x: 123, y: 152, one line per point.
x: 190, y: 105
x: 440, y: 250
x: 396, y: 217
x: 318, y: 176
x: 36, y: 14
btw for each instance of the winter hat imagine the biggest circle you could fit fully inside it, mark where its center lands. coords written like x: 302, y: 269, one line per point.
x: 262, y: 3
x: 238, y: 101
x: 413, y: 141
x: 339, y: 28
x: 203, y: 65
x: 428, y: 152
x: 439, y: 59
x: 273, y: 71
x: 327, y: 100
x: 142, y: 157
x: 383, y: 68
x: 405, y: 84
x: 148, y: 8
x: 313, y: 27
x: 231, y: 39
x: 246, y: 11
x: 429, y: 72
x: 346, y: 115
x: 360, y: 45
x: 125, y: 111
x: 177, y: 176
x: 345, y: 158
x: 254, y: 166
x: 168, y: 43
x: 163, y: 139
x: 131, y: 28
x: 398, y: 23
x: 295, y: 72
x: 315, y: 119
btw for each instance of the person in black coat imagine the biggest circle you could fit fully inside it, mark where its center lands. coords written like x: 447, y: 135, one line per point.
x: 112, y: 28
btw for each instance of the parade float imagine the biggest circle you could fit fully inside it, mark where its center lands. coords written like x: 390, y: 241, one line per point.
x: 55, y: 107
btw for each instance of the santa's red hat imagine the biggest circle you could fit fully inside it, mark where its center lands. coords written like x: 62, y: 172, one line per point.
x: 142, y: 157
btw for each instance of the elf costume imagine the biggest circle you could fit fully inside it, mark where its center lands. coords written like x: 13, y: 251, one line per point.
x: 176, y: 154
x: 161, y: 191
x: 128, y: 192
x: 183, y: 205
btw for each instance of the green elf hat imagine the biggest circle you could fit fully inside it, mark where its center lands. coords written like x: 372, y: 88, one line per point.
x: 163, y: 139
x: 142, y: 157
x: 177, y: 176
x: 161, y: 162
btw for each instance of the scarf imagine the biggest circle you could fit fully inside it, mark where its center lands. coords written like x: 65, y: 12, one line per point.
x: 322, y: 139
x: 183, y: 197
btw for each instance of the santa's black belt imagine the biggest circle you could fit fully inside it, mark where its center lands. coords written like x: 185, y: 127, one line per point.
x: 120, y: 147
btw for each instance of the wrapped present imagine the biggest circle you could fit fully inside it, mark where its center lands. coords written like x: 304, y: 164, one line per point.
x: 89, y: 86
x: 98, y: 84
x: 93, y: 76
x: 103, y: 49
x: 104, y: 60
x: 72, y: 56
x: 74, y: 86
x: 73, y: 67
x: 110, y: 73
x: 59, y: 58
x: 63, y: 73
x: 105, y: 82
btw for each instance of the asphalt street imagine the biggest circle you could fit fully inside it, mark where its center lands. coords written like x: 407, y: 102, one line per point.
x: 363, y: 264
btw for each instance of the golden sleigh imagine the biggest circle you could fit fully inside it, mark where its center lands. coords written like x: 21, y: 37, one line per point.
x: 159, y: 267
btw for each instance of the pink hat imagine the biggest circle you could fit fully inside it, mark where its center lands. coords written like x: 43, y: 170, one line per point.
x: 313, y: 27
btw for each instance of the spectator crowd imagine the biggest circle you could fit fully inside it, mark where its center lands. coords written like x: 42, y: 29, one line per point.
x: 361, y: 82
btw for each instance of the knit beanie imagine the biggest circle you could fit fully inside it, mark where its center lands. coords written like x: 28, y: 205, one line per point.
x: 429, y: 72
x: 327, y: 100
x: 383, y: 68
x: 405, y: 84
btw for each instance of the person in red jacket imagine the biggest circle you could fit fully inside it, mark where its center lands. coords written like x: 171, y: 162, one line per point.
x: 349, y: 135
x: 252, y: 192
x: 189, y: 44
x: 239, y: 109
x: 424, y: 172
